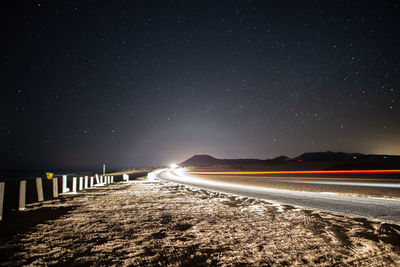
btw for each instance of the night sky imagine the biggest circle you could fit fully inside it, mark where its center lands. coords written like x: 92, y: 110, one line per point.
x: 142, y: 83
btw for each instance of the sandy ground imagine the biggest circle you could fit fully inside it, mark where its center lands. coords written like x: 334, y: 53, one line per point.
x: 152, y: 223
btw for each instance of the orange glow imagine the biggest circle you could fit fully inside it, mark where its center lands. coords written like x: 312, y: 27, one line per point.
x: 298, y: 172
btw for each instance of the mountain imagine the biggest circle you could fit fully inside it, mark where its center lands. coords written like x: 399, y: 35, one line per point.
x: 327, y: 156
x: 307, y: 161
x: 280, y: 158
x: 200, y: 161
x: 207, y: 161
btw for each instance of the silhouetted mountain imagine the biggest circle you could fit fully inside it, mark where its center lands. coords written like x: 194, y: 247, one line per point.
x: 312, y: 160
x: 340, y: 156
x: 281, y: 158
x: 200, y: 160
x: 207, y: 161
x: 326, y: 156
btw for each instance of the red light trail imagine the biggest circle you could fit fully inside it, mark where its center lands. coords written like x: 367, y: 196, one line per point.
x: 296, y: 172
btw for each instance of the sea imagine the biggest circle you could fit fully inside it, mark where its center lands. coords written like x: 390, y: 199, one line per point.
x: 13, y: 175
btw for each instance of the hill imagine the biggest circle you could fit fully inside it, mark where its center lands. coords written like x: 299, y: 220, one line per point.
x: 307, y: 161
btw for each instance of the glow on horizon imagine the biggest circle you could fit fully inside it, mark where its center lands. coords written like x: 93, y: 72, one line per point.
x: 173, y: 166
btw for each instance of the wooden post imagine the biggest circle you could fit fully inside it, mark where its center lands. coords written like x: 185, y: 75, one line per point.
x: 2, y: 185
x: 86, y: 182
x: 65, y: 189
x: 55, y: 187
x: 39, y: 188
x: 74, y: 185
x: 22, y: 195
x: 91, y: 181
x: 80, y: 183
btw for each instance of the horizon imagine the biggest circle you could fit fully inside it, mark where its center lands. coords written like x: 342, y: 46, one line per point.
x: 92, y: 168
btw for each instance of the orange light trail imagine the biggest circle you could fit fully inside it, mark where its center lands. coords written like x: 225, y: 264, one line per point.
x: 297, y: 172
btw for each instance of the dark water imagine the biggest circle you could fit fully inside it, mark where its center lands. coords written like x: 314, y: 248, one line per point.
x: 12, y: 175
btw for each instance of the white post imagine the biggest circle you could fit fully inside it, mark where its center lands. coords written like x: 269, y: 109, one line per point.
x: 97, y: 179
x: 74, y: 185
x: 86, y: 181
x: 112, y: 179
x: 108, y: 179
x: 65, y: 189
x: 91, y: 181
x: 2, y: 185
x: 101, y: 179
x: 22, y: 195
x: 39, y: 188
x: 80, y: 183
x: 125, y: 177
x: 55, y: 187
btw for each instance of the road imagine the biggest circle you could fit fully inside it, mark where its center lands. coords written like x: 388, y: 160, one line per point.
x: 379, y: 208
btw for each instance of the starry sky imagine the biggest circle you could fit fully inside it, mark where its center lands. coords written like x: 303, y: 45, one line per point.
x: 145, y: 83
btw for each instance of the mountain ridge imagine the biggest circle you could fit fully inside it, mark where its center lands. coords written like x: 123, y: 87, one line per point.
x: 326, y: 160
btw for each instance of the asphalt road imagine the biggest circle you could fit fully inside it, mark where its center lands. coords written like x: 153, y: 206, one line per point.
x: 379, y: 208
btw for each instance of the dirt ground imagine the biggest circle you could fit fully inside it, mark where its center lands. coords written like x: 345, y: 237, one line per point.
x: 152, y: 223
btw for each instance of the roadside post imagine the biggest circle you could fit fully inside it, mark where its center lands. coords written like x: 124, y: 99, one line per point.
x: 55, y: 187
x: 74, y: 185
x: 2, y: 185
x: 65, y: 189
x: 80, y: 183
x: 39, y: 189
x: 22, y: 195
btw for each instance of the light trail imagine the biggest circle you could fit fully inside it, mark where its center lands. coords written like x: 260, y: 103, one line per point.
x: 296, y: 172
x: 381, y: 208
x: 181, y: 175
x: 386, y: 185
